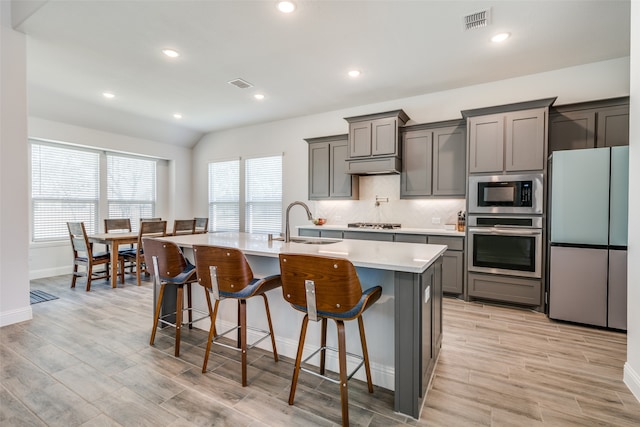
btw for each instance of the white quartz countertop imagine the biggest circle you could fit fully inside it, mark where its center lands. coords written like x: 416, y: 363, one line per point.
x: 403, y: 230
x: 405, y: 257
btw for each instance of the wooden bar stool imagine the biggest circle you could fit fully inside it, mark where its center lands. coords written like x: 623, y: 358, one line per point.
x: 169, y: 267
x: 327, y: 288
x: 226, y: 274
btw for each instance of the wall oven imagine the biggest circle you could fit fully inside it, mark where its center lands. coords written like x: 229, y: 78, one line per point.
x: 508, y: 194
x: 505, y: 245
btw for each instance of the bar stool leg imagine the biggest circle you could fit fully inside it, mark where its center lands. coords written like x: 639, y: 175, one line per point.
x: 296, y: 369
x: 212, y: 331
x: 157, y: 315
x: 323, y: 345
x: 273, y: 338
x: 342, y: 356
x: 179, y: 306
x: 189, y: 305
x: 365, y: 354
x: 243, y: 338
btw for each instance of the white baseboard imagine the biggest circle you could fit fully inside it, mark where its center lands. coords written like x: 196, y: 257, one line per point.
x: 632, y: 380
x: 15, y: 316
x: 381, y: 375
x: 48, y: 272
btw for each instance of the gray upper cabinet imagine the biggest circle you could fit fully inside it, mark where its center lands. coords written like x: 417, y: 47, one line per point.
x: 589, y: 125
x: 327, y: 167
x: 433, y: 162
x: 375, y: 135
x: 508, y: 142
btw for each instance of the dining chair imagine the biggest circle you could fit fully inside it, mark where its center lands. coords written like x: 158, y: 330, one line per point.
x: 136, y: 255
x: 150, y: 219
x: 324, y: 288
x: 202, y: 225
x: 184, y: 226
x: 226, y: 274
x: 83, y: 255
x: 169, y: 267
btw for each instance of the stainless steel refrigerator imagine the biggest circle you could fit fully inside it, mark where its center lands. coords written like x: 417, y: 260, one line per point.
x: 588, y: 239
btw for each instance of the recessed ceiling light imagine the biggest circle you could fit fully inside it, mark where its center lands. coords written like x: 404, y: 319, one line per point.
x: 286, y: 6
x: 177, y: 116
x: 108, y: 95
x: 354, y: 73
x: 171, y: 53
x: 259, y: 96
x: 500, y: 37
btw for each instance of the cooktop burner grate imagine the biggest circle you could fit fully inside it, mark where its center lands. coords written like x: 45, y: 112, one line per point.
x: 374, y: 225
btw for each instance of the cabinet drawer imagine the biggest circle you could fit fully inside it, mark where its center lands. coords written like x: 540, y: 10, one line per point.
x: 363, y: 235
x: 411, y: 238
x: 304, y: 232
x: 453, y: 243
x: 503, y: 288
x: 333, y: 234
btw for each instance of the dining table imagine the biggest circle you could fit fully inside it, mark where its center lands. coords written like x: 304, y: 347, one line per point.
x: 113, y: 241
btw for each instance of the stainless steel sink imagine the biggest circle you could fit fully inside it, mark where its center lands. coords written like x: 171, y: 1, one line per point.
x: 312, y: 241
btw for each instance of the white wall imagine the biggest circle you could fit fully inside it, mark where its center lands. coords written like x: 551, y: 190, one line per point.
x: 606, y: 79
x: 174, y: 191
x: 632, y: 367
x: 14, y: 191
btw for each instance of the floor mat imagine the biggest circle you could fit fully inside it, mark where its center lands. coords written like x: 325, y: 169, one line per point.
x: 40, y: 296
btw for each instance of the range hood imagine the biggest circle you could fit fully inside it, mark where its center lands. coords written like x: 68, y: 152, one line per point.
x: 373, y: 166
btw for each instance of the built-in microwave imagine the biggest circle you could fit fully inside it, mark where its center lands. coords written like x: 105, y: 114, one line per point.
x: 509, y: 194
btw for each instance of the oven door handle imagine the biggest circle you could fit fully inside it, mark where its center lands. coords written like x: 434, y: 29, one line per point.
x: 505, y: 231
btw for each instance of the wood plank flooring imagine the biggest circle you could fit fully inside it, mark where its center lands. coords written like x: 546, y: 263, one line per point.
x: 84, y: 360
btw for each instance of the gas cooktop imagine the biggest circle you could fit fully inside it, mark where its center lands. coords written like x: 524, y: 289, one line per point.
x: 374, y: 225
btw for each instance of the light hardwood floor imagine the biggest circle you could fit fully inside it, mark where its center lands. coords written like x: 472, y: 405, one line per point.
x: 84, y: 360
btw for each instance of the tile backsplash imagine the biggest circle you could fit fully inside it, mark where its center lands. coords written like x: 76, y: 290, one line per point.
x: 412, y: 213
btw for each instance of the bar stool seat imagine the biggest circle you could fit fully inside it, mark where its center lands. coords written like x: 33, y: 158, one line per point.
x: 169, y: 267
x: 226, y: 274
x: 327, y: 288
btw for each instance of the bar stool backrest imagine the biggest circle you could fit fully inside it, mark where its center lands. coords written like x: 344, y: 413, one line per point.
x: 337, y: 287
x: 171, y: 261
x: 232, y: 269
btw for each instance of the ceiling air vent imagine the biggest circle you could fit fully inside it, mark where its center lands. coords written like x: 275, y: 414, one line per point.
x: 239, y: 83
x: 477, y: 20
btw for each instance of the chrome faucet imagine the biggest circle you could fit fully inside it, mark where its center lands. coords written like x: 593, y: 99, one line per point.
x: 287, y: 233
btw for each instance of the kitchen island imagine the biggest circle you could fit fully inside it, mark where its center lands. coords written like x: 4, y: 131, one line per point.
x: 403, y: 328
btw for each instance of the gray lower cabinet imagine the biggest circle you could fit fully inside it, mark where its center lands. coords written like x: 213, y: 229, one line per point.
x: 331, y: 234
x: 433, y: 161
x: 365, y: 235
x: 617, y: 302
x: 327, y: 169
x: 505, y: 288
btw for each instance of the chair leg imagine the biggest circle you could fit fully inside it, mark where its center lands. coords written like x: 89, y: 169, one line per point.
x: 243, y: 341
x: 89, y: 276
x: 179, y: 305
x: 138, y: 269
x: 156, y: 317
x: 75, y: 275
x: 296, y: 369
x: 342, y: 357
x: 122, y: 270
x: 365, y: 354
x: 273, y: 337
x: 239, y: 341
x: 189, y: 305
x: 323, y: 345
x: 212, y: 330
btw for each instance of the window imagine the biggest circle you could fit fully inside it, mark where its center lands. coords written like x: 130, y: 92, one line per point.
x: 263, y: 195
x: 64, y: 188
x: 260, y: 210
x: 224, y: 196
x: 66, y: 183
x: 131, y: 188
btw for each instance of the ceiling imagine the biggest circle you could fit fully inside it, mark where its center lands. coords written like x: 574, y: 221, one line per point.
x: 78, y: 49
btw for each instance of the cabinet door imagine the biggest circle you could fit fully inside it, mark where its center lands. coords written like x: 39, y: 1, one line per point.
x: 360, y: 139
x: 617, y: 303
x: 417, y: 149
x: 411, y: 238
x: 384, y: 137
x: 525, y: 140
x: 613, y: 127
x: 368, y: 235
x: 340, y: 183
x: 452, y: 272
x: 318, y: 171
x: 486, y: 143
x: 572, y: 130
x: 449, y: 162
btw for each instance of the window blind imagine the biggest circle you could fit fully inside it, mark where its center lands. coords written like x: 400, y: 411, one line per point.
x: 131, y: 188
x: 64, y: 188
x: 263, y: 195
x: 224, y: 196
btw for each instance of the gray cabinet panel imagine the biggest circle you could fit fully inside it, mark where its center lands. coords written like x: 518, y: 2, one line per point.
x: 504, y: 288
x: 578, y: 285
x: 411, y: 238
x: 572, y: 130
x: 305, y: 232
x: 417, y: 159
x: 449, y: 161
x: 328, y: 177
x: 453, y: 243
x: 525, y: 140
x: 318, y: 170
x: 613, y: 127
x: 333, y: 234
x: 486, y: 143
x: 384, y: 137
x: 453, y: 272
x: 341, y: 185
x: 363, y: 235
x: 360, y: 139
x: 617, y: 303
